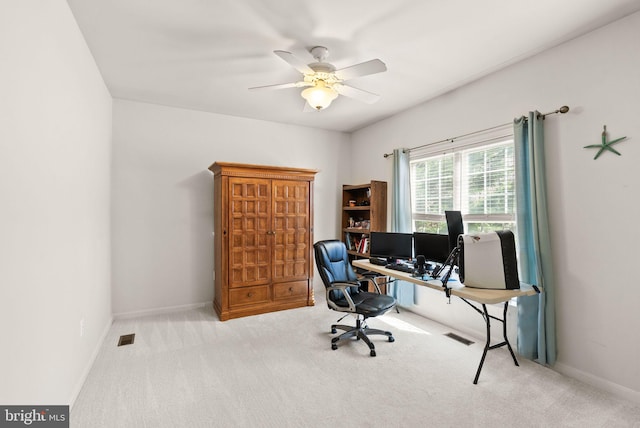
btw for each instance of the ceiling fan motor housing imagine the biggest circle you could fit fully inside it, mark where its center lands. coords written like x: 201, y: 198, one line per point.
x: 320, y: 53
x: 322, y: 67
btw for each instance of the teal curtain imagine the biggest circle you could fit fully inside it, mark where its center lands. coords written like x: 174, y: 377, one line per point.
x: 536, y: 314
x: 403, y: 291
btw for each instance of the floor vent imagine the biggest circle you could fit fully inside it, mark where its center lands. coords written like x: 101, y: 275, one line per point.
x: 459, y: 338
x: 127, y: 339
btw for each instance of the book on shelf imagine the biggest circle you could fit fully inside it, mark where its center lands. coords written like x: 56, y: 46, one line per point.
x: 363, y: 244
x: 348, y: 241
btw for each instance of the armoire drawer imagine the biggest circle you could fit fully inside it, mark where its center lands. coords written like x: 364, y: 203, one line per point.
x: 288, y: 290
x: 248, y: 295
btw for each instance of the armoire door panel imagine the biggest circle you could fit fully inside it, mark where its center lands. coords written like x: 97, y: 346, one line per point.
x: 249, y: 213
x: 291, y: 239
x: 290, y: 220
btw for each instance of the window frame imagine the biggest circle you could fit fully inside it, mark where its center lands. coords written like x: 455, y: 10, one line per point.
x: 458, y: 150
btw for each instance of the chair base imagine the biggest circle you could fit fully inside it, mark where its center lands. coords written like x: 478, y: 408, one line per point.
x: 360, y: 332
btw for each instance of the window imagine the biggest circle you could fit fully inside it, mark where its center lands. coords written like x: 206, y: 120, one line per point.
x: 477, y: 180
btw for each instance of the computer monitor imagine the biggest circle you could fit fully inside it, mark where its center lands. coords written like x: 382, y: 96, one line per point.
x: 433, y: 246
x: 454, y: 227
x: 391, y: 245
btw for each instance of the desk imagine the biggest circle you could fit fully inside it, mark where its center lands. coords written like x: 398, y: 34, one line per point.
x: 481, y: 296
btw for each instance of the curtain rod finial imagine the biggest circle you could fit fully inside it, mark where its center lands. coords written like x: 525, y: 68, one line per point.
x: 563, y: 109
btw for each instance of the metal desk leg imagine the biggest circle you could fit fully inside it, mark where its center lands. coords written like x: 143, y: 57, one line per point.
x: 504, y: 333
x: 488, y: 346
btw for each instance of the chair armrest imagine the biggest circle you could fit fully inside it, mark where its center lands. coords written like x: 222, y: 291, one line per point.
x: 366, y: 277
x: 369, y: 275
x: 342, y: 286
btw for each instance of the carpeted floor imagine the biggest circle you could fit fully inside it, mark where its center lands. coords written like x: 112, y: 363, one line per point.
x: 187, y: 369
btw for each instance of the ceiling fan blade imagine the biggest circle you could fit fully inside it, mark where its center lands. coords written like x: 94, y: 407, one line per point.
x: 279, y: 86
x: 363, y: 69
x: 295, y: 62
x: 357, y: 94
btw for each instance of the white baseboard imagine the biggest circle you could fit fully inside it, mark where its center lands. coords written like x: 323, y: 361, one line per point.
x: 603, y: 384
x: 156, y: 311
x: 89, y: 365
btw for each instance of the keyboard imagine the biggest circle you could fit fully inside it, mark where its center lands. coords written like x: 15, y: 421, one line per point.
x: 400, y: 267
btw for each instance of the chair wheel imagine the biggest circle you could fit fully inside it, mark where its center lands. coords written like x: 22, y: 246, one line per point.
x: 334, y: 346
x: 334, y: 331
x: 391, y: 339
x: 372, y: 353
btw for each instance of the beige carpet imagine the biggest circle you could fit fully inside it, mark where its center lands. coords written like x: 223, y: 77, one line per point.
x: 187, y: 369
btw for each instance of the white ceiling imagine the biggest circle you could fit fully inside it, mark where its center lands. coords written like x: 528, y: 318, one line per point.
x: 205, y: 54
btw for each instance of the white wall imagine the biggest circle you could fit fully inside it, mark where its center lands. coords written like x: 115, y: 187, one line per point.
x: 55, y: 133
x: 594, y: 205
x: 163, y: 194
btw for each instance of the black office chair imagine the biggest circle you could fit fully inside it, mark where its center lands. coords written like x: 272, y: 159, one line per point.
x: 344, y: 293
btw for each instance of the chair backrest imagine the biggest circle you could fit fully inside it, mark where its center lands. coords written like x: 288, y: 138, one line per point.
x: 333, y: 265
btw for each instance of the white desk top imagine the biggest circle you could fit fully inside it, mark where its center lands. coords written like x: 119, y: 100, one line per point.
x: 480, y: 295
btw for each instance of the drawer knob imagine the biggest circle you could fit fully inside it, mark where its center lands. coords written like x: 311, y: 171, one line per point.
x: 250, y: 294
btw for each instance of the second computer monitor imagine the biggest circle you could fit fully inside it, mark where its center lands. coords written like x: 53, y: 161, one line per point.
x: 391, y: 245
x: 433, y: 246
x: 455, y: 227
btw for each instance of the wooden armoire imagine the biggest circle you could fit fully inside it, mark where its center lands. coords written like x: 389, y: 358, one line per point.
x: 263, y: 238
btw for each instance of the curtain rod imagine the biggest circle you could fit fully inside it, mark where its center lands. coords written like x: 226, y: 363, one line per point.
x: 561, y: 110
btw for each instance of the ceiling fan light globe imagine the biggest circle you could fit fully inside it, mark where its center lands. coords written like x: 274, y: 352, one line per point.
x: 319, y: 96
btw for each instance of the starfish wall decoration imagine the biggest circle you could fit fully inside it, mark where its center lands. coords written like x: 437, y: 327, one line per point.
x: 604, y: 145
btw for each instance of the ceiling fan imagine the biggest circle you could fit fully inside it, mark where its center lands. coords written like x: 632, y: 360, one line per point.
x: 323, y: 82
